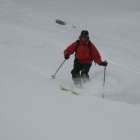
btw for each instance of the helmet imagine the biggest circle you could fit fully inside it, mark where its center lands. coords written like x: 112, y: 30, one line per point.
x: 85, y: 34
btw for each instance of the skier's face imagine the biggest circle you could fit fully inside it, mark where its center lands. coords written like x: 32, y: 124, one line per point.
x: 84, y: 39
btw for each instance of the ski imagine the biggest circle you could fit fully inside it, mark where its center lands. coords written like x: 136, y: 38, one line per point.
x: 69, y: 90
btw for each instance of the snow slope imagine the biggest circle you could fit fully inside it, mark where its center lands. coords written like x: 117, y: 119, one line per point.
x: 55, y: 117
x: 32, y: 106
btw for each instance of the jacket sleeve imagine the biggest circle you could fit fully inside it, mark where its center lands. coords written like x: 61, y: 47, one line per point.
x: 96, y: 55
x: 70, y: 49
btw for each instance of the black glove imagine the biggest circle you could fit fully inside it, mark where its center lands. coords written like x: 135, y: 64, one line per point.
x: 66, y: 57
x: 103, y: 63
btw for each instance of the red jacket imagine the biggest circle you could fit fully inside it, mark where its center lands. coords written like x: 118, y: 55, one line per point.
x: 85, y: 52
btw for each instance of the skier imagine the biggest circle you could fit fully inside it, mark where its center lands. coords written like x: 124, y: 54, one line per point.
x: 85, y: 53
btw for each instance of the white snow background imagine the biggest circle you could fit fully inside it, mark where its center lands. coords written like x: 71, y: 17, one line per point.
x: 32, y: 106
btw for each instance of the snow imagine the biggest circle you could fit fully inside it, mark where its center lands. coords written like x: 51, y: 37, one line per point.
x: 32, y: 106
x: 69, y: 117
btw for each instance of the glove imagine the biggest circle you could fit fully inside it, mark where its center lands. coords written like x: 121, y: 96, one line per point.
x: 103, y: 63
x: 66, y: 57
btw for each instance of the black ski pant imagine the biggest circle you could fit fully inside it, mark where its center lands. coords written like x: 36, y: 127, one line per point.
x: 80, y: 70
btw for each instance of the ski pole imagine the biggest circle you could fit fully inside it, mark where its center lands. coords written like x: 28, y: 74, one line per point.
x: 53, y: 76
x: 104, y: 81
x: 104, y: 76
